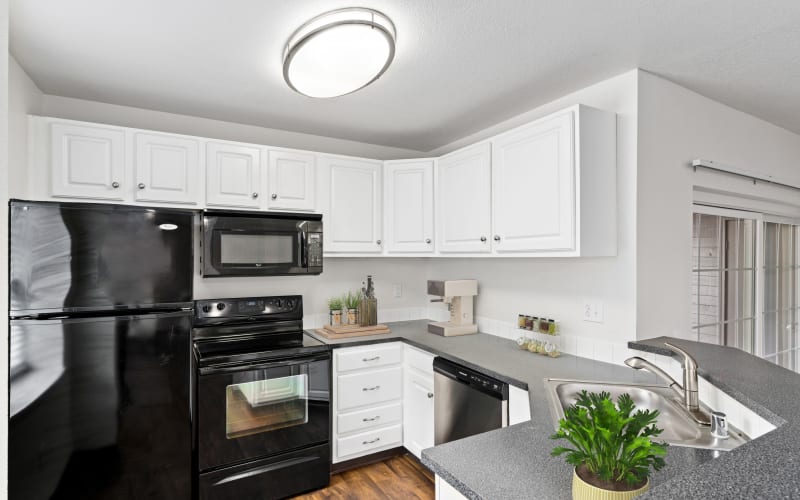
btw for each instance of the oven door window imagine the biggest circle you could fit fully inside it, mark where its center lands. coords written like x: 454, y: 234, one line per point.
x: 257, y: 403
x: 237, y: 249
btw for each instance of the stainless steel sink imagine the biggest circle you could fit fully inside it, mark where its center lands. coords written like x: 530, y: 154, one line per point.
x: 679, y: 428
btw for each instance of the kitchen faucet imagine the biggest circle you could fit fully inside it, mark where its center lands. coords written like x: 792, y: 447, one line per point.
x: 687, y: 392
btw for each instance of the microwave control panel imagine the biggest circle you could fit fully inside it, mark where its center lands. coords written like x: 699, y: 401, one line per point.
x: 314, y: 249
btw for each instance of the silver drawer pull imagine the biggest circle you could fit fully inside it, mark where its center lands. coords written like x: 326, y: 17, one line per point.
x: 367, y: 360
x: 375, y: 388
x: 430, y: 395
x: 371, y: 441
x: 366, y: 419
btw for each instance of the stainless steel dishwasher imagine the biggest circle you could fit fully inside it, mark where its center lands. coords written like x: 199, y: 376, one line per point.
x: 467, y: 402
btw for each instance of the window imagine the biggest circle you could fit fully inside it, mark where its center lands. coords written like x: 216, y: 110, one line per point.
x: 781, y: 311
x: 745, y: 284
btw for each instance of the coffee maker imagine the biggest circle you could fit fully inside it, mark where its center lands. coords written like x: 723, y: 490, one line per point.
x: 459, y: 295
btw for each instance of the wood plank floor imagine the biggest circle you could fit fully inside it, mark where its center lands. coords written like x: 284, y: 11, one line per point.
x: 397, y: 477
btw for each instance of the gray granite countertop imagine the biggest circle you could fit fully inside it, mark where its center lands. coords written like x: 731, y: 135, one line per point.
x: 515, y: 462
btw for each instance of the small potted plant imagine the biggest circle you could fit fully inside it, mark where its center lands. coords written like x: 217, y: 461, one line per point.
x: 335, y: 308
x: 351, y: 302
x: 612, y: 446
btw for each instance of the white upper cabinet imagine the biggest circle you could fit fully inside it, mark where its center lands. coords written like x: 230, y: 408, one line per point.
x: 87, y: 161
x: 408, y: 206
x: 463, y: 201
x: 533, y: 187
x: 554, y: 186
x: 291, y: 176
x: 352, y: 189
x: 233, y: 175
x: 167, y: 168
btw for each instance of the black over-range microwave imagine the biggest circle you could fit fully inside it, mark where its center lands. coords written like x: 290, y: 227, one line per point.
x: 261, y: 243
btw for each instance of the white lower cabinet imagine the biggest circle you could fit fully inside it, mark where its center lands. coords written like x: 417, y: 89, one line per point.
x: 417, y: 400
x: 367, y: 400
x: 446, y: 492
x: 519, y: 405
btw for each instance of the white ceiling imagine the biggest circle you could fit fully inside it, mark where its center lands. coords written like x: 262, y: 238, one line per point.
x: 461, y: 65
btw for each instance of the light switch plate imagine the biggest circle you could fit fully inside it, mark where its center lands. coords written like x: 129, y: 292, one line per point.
x: 397, y: 290
x: 593, y: 310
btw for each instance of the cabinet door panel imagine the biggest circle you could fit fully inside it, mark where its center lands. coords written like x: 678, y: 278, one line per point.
x: 233, y: 175
x: 417, y: 412
x: 354, y: 208
x: 87, y: 162
x: 409, y: 206
x: 166, y: 168
x: 533, y: 187
x: 464, y: 201
x: 291, y: 180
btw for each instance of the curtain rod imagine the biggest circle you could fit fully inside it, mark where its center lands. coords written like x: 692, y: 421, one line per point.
x: 721, y: 167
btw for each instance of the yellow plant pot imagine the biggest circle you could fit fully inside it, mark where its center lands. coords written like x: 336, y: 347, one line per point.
x: 581, y: 490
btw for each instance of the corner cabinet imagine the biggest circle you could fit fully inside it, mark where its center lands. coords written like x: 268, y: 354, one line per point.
x: 291, y: 180
x: 87, y: 161
x: 352, y: 211
x: 463, y: 201
x: 554, y: 186
x: 233, y: 175
x: 408, y: 206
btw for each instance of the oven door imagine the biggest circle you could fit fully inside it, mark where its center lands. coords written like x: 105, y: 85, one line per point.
x: 256, y: 246
x: 264, y: 408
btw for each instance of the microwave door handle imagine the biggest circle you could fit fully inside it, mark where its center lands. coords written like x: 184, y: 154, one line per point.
x: 303, y: 249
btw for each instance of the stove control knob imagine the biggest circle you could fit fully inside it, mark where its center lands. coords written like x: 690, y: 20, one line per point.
x: 221, y: 306
x: 206, y: 308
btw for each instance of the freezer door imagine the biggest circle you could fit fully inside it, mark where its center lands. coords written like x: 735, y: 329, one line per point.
x: 74, y: 257
x: 100, y: 408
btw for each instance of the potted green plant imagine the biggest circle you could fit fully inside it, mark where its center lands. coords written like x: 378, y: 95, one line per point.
x: 335, y: 308
x: 612, y: 446
x: 351, y: 302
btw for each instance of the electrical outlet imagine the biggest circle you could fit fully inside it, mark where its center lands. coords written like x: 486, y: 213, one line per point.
x: 593, y: 310
x: 397, y: 290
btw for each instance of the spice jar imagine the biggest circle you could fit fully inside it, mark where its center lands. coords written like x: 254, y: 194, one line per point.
x: 521, y: 321
x: 528, y: 323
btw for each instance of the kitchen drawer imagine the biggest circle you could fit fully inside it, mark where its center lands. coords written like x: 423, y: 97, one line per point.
x: 419, y: 360
x: 371, y: 356
x: 360, y: 444
x: 366, y: 419
x: 369, y: 387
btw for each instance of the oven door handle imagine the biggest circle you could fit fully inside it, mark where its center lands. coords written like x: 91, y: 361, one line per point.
x: 259, y: 365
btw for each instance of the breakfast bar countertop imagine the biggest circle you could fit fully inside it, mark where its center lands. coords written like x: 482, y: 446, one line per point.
x: 515, y: 462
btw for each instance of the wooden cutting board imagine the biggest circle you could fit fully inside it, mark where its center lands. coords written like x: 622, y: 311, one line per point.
x: 343, y: 332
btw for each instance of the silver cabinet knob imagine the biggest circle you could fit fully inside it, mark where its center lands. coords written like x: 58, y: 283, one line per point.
x: 496, y: 238
x: 430, y: 395
x: 428, y: 241
x: 141, y: 185
x: 483, y: 238
x: 115, y: 184
x: 255, y: 195
x: 274, y: 196
x: 378, y: 242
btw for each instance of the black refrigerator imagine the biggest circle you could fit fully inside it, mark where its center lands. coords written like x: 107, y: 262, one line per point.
x: 99, y: 368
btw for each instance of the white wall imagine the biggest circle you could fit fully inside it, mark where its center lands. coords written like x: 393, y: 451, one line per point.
x: 24, y: 98
x: 677, y: 126
x: 4, y: 156
x: 126, y: 116
x: 556, y: 288
x: 340, y: 275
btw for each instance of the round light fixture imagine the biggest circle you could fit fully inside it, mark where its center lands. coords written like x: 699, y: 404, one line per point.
x: 339, y: 52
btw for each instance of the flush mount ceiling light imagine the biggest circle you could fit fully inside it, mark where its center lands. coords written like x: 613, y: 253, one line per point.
x: 339, y: 52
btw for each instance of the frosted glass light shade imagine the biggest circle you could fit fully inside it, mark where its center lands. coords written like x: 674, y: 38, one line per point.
x: 339, y: 52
